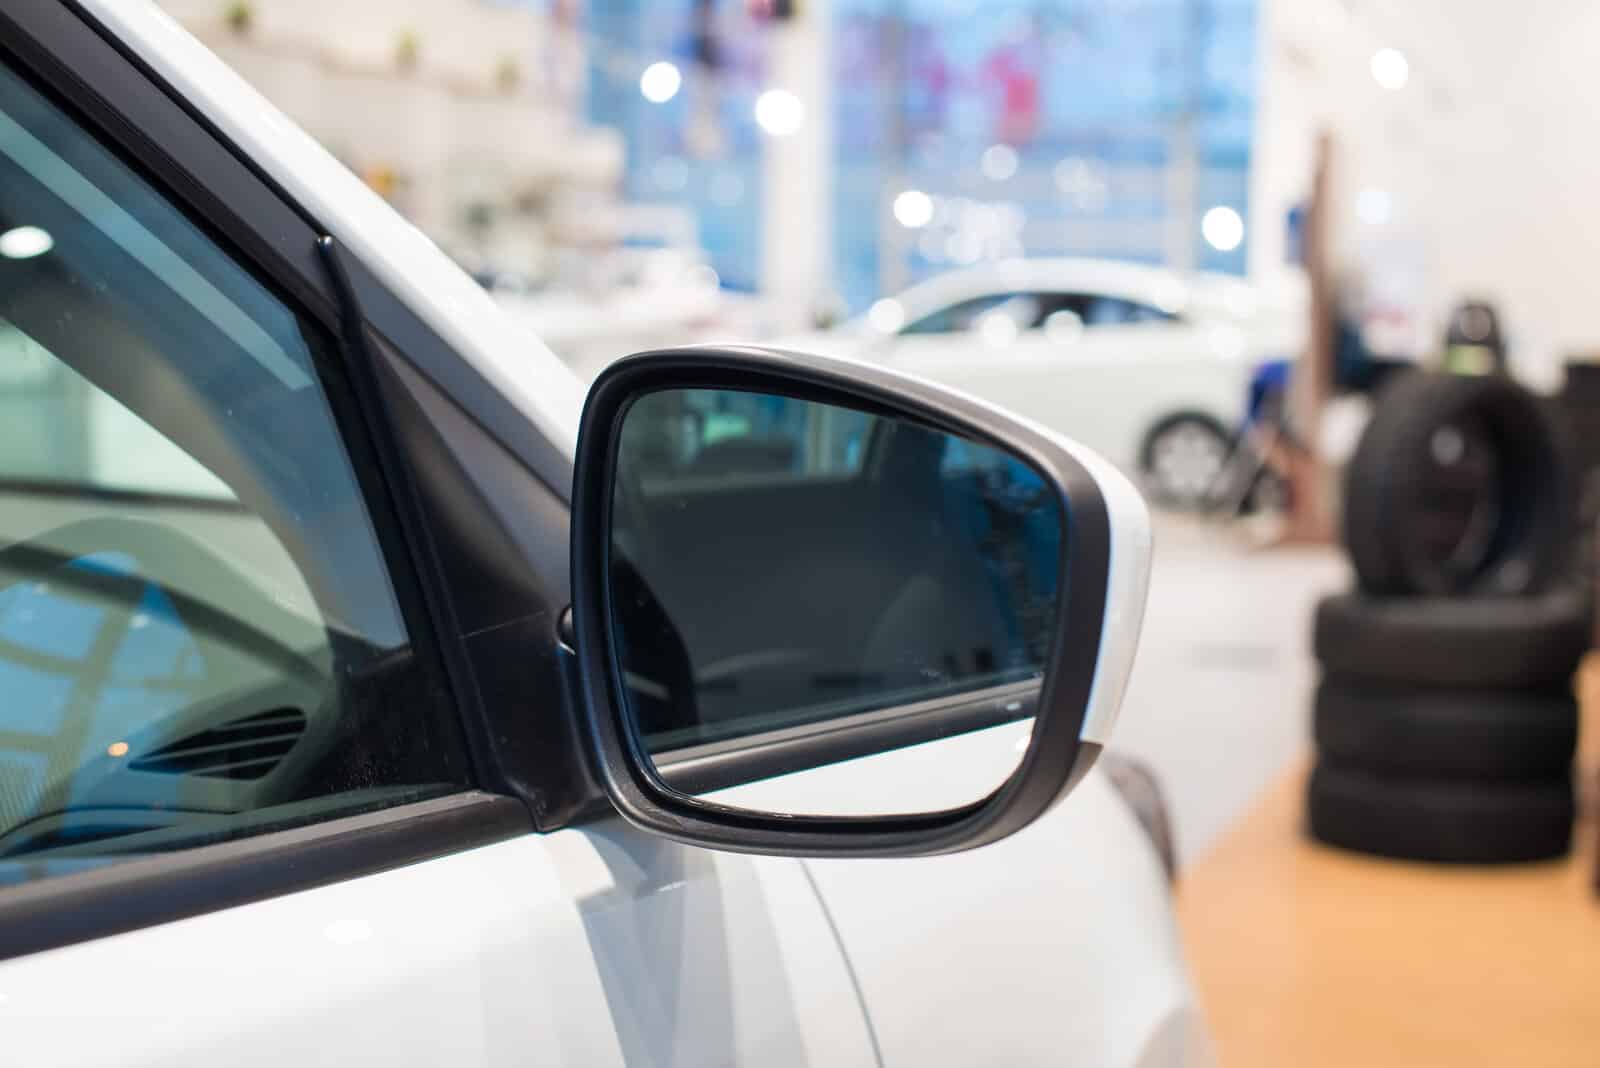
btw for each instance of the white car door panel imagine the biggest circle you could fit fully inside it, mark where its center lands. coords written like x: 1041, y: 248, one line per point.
x: 591, y: 947
x: 711, y: 958
x: 997, y: 956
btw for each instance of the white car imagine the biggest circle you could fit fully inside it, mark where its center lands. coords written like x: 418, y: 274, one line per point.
x: 304, y: 758
x: 1147, y: 366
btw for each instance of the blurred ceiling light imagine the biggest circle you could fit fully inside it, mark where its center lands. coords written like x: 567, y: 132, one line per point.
x: 913, y: 209
x: 1390, y: 68
x: 779, y: 112
x: 1222, y: 228
x: 25, y: 242
x: 999, y: 162
x: 660, y: 82
x: 887, y: 315
x: 1374, y: 206
x: 117, y: 749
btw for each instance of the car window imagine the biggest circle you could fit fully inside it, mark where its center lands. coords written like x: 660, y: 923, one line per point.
x: 199, y: 633
x: 689, y: 436
x: 999, y: 317
x: 968, y: 314
x: 1101, y: 310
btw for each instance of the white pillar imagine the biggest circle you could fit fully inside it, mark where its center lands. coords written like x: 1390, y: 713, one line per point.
x: 797, y: 170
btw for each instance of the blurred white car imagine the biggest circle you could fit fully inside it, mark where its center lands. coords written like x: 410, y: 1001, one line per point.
x: 1149, y: 367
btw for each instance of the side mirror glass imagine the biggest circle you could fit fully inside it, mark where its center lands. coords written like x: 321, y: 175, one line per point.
x: 825, y: 568
x: 784, y: 563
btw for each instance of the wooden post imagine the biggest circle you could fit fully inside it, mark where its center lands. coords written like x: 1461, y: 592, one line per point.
x: 1310, y: 518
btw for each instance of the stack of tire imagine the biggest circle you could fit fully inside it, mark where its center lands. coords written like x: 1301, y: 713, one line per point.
x: 1445, y: 720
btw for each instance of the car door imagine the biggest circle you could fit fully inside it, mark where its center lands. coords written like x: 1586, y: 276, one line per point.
x: 250, y: 809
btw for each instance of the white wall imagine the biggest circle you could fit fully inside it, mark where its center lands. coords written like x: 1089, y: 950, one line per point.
x: 1488, y: 155
x: 446, y: 129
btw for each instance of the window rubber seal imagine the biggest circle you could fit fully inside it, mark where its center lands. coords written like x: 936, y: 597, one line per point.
x: 127, y: 895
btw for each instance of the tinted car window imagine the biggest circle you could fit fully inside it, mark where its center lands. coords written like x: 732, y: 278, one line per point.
x: 1101, y: 310
x: 965, y: 315
x: 199, y: 633
x: 1032, y: 310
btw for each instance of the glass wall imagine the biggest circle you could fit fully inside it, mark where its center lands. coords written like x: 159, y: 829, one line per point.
x: 1116, y: 128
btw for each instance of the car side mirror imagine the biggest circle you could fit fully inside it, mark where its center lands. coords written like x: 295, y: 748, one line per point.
x: 852, y: 563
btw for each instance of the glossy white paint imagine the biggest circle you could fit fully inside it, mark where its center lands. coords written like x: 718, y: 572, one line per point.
x: 609, y: 947
x: 593, y: 948
x: 603, y: 945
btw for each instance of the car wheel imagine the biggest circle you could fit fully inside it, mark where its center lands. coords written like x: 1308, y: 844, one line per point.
x: 1505, y: 642
x: 1182, y: 459
x: 1450, y: 822
x: 1436, y: 732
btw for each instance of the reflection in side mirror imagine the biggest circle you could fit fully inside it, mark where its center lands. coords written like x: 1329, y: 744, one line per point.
x: 794, y: 569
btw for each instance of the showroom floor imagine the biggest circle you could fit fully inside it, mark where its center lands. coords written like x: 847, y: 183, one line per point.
x: 1218, y: 700
x: 1308, y: 956
x: 1305, y: 955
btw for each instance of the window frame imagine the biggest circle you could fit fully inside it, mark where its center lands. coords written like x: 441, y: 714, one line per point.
x: 117, y: 101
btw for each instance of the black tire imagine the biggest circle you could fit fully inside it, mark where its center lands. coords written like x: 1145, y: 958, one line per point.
x: 1448, y: 822
x: 1192, y: 490
x: 1446, y: 734
x: 1494, y: 642
x: 1459, y: 485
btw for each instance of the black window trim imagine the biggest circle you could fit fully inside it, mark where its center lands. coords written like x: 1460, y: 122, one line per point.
x: 127, y: 895
x: 58, y: 48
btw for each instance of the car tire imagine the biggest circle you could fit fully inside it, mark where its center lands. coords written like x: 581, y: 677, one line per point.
x: 1484, y: 735
x: 1447, y: 822
x: 1482, y: 642
x: 1458, y: 485
x: 1182, y: 459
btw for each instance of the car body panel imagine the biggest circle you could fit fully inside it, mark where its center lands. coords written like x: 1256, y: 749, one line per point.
x: 604, y: 946
x: 600, y: 944
x: 599, y: 947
